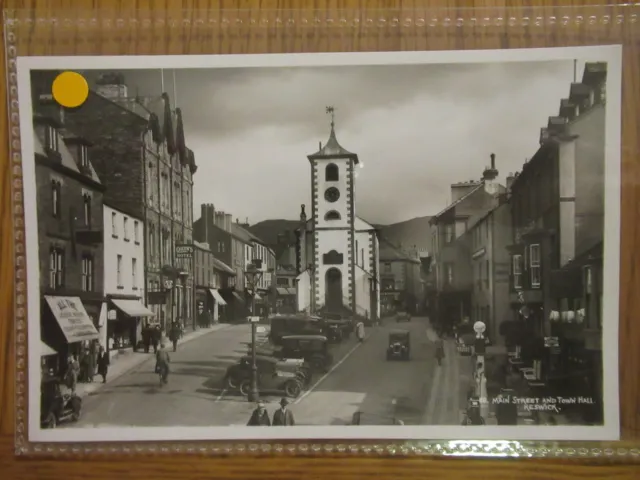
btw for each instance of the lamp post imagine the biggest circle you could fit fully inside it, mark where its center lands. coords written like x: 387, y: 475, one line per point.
x: 183, y: 280
x: 253, y: 275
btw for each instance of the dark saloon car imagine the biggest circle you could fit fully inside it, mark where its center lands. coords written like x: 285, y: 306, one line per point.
x: 399, y: 345
x: 295, y: 324
x: 313, y: 349
x: 241, y: 371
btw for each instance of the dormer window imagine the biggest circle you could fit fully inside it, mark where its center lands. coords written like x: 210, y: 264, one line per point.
x: 51, y: 138
x: 84, y: 156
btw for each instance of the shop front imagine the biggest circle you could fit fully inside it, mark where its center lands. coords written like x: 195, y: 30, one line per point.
x: 218, y: 304
x: 66, y: 328
x: 124, y: 322
x: 285, y: 300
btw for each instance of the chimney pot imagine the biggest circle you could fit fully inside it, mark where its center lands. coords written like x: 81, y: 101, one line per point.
x: 493, y: 161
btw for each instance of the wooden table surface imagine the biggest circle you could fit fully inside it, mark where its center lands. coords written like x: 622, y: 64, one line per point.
x: 38, y: 40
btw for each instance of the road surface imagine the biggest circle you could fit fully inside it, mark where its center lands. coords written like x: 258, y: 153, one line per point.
x: 361, y: 379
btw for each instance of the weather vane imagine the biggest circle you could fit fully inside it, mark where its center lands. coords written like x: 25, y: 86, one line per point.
x: 332, y: 111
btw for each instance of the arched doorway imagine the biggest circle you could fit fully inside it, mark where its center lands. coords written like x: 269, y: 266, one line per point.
x: 333, y: 289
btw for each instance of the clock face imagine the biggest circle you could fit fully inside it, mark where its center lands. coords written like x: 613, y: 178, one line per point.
x: 331, y: 194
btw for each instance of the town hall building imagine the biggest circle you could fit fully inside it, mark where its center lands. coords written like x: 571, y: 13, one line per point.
x: 337, y: 252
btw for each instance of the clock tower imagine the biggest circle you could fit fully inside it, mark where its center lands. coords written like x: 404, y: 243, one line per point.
x: 333, y: 225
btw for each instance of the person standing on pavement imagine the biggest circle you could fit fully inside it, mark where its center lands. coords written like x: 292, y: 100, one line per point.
x: 283, y: 416
x: 71, y: 376
x: 259, y: 417
x: 103, y: 364
x: 156, y: 337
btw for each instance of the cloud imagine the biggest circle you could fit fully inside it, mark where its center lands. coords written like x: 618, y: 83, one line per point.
x: 416, y: 129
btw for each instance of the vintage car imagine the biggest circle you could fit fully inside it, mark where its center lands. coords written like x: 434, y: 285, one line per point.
x: 338, y: 330
x: 272, y: 377
x: 362, y: 418
x: 313, y: 349
x: 402, y: 316
x: 57, y: 406
x: 241, y: 371
x: 294, y: 324
x: 399, y: 345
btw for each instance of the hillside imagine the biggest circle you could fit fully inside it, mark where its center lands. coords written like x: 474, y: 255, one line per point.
x: 268, y: 230
x: 409, y: 233
x: 404, y: 234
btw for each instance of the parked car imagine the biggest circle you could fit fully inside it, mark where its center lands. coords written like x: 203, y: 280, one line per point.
x: 241, y: 371
x: 399, y: 345
x: 57, y: 406
x: 403, y: 316
x: 338, y: 330
x: 298, y: 324
x: 313, y: 349
x: 362, y: 418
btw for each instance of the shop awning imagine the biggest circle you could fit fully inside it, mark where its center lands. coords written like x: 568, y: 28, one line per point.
x: 286, y: 291
x: 217, y: 297
x: 46, y: 350
x: 75, y: 323
x: 133, y: 308
x: 238, y: 296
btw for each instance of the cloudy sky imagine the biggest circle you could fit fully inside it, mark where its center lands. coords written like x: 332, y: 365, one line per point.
x: 416, y: 129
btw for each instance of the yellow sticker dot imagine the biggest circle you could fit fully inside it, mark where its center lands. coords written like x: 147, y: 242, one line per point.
x: 70, y: 89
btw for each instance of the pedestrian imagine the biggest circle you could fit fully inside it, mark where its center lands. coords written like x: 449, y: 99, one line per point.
x: 439, y: 351
x: 71, y: 375
x: 259, y: 417
x: 162, y: 363
x: 283, y: 416
x: 360, y: 331
x: 174, y: 335
x: 103, y: 364
x: 156, y: 336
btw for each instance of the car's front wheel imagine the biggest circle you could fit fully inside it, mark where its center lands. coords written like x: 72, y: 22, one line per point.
x: 245, y: 387
x: 292, y: 388
x: 231, y: 382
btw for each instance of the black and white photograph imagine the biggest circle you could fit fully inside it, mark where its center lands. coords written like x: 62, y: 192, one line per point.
x: 406, y: 245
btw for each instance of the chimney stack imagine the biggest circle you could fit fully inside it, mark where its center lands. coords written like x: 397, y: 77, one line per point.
x: 303, y: 215
x: 510, y: 178
x: 228, y: 221
x: 493, y: 161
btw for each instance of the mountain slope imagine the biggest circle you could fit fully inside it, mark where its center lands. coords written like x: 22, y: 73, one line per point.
x: 409, y: 233
x: 402, y: 234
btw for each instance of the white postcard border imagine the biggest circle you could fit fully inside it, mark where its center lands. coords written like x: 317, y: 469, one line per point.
x: 612, y: 54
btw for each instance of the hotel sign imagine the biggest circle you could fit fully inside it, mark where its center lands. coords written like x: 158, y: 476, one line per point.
x: 184, y: 251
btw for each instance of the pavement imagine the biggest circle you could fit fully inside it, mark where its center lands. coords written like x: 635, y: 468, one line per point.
x: 361, y: 379
x: 122, y: 363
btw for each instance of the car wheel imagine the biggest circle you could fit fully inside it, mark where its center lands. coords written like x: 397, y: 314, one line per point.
x: 292, y: 388
x: 50, y: 421
x: 245, y: 387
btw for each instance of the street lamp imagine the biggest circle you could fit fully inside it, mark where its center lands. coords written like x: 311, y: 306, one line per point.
x: 252, y: 275
x: 183, y: 279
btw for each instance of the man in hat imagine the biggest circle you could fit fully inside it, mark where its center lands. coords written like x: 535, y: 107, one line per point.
x: 259, y: 417
x: 283, y: 416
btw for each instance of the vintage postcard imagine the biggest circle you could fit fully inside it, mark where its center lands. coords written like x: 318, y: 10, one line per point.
x: 361, y: 246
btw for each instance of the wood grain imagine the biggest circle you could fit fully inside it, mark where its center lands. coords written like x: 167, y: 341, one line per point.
x: 194, y: 37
